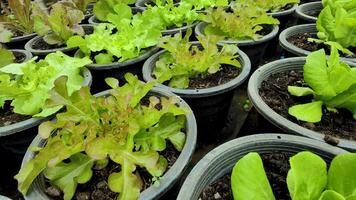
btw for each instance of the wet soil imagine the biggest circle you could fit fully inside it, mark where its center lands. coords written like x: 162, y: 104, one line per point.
x: 8, y: 117
x: 19, y: 57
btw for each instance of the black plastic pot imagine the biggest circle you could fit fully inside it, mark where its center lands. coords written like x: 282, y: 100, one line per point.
x: 221, y: 160
x: 210, y: 105
x: 254, y: 49
x: 16, y: 137
x: 36, y: 192
x: 288, y: 126
x: 300, y: 29
x: 19, y: 41
x: 303, y: 12
x: 116, y: 70
x: 27, y: 54
x: 43, y: 53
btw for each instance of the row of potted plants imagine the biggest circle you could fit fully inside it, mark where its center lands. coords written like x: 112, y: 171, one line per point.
x: 119, y: 143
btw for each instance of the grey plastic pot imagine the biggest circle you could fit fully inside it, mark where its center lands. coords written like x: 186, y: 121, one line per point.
x: 255, y: 49
x: 4, y: 198
x: 27, y: 54
x: 300, y: 29
x: 268, y: 113
x: 220, y: 161
x: 116, y: 70
x: 284, y: 13
x: 210, y: 105
x: 36, y: 191
x: 16, y: 137
x: 303, y: 12
x: 40, y: 52
x: 93, y: 20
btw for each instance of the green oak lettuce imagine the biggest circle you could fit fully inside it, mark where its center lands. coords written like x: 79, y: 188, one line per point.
x: 133, y: 36
x: 104, y: 7
x: 93, y: 130
x: 332, y: 84
x: 243, y: 24
x: 183, y: 60
x: 269, y: 5
x: 307, y: 179
x: 27, y: 84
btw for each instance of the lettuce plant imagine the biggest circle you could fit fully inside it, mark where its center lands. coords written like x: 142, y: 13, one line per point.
x: 336, y: 25
x: 183, y: 60
x: 16, y: 18
x: 348, y: 5
x: 307, y: 179
x: 94, y: 130
x: 243, y: 24
x: 7, y: 57
x: 332, y: 84
x: 134, y: 35
x: 59, y: 24
x: 167, y: 15
x: 27, y: 84
x: 104, y: 7
x: 79, y: 4
x: 268, y: 5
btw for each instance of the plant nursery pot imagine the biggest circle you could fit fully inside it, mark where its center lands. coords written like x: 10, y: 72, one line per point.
x: 37, y: 189
x: 210, y: 105
x: 220, y: 161
x: 21, y: 55
x: 308, y: 12
x: 93, y: 20
x: 19, y: 41
x: 254, y: 49
x: 29, y: 46
x: 4, y: 198
x: 116, y: 70
x: 289, y: 126
x: 15, y: 138
x: 300, y: 30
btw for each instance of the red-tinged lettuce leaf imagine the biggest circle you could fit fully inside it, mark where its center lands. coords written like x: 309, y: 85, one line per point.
x: 18, y: 16
x: 60, y: 24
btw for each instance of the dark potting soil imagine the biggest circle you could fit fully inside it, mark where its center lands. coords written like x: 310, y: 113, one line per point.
x: 313, y: 13
x: 19, y: 57
x: 226, y: 74
x: 40, y: 44
x: 301, y: 40
x: 276, y: 165
x: 97, y: 188
x: 274, y: 92
x: 8, y: 117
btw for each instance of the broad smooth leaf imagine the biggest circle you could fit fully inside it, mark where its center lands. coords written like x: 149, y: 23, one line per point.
x: 342, y: 175
x: 310, y: 112
x: 249, y: 180
x: 331, y: 195
x: 307, y: 177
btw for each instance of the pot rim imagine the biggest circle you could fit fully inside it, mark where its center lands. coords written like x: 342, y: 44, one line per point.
x: 300, y: 11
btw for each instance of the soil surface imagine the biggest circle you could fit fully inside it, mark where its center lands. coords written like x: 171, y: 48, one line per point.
x: 274, y: 92
x: 313, y: 13
x: 301, y: 40
x: 226, y: 74
x: 97, y: 188
x: 276, y: 165
x: 40, y: 44
x: 19, y: 57
x: 8, y: 117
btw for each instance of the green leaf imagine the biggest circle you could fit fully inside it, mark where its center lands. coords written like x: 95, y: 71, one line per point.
x: 300, y: 91
x: 307, y: 177
x: 5, y: 35
x: 342, y: 175
x: 331, y: 195
x: 310, y: 112
x: 66, y: 176
x: 249, y: 180
x: 6, y: 57
x: 18, y: 17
